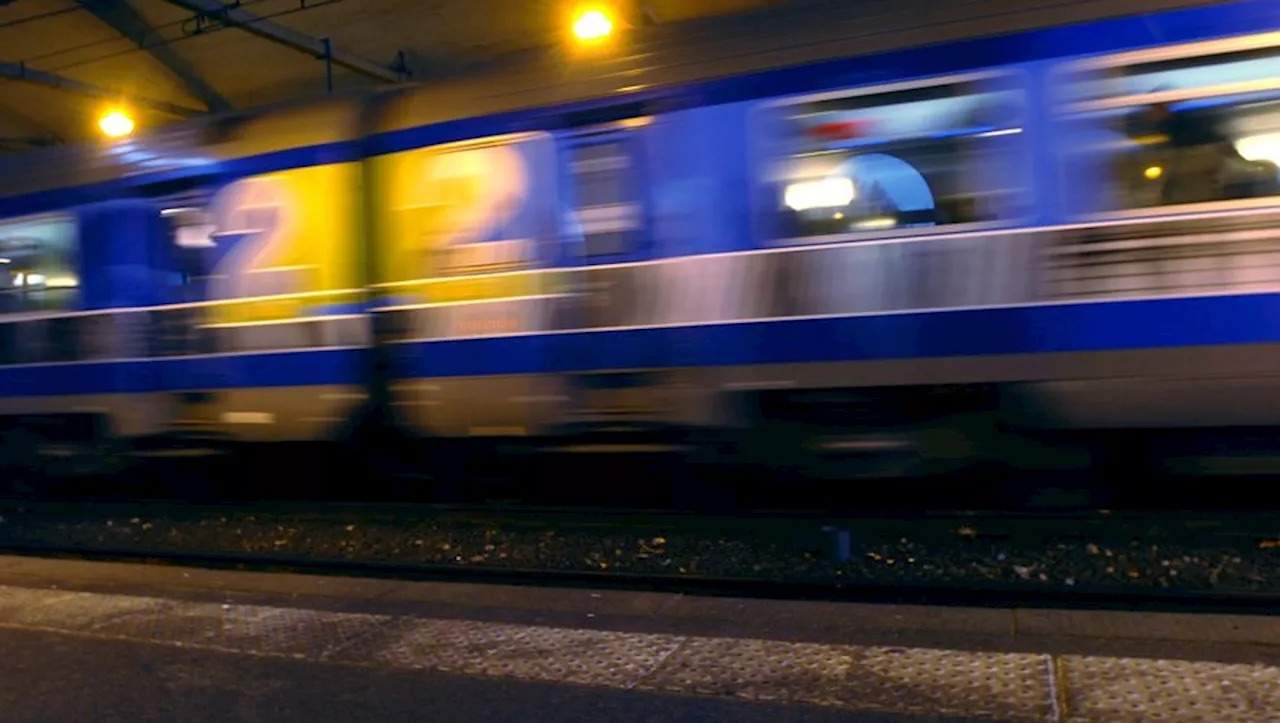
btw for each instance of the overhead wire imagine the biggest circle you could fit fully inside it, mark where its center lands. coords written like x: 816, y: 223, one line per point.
x: 45, y: 15
x: 118, y: 37
x: 115, y: 38
x: 138, y: 47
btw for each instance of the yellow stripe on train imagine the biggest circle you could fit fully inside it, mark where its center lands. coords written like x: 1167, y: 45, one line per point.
x: 483, y: 287
x: 275, y: 309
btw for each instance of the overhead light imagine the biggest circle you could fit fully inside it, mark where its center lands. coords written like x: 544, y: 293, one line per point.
x: 592, y: 25
x: 5, y: 261
x: 116, y: 124
x: 176, y: 211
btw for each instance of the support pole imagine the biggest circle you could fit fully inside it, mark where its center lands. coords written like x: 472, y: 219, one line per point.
x: 328, y: 64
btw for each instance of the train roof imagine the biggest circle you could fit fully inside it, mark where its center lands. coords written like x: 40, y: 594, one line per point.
x: 767, y: 55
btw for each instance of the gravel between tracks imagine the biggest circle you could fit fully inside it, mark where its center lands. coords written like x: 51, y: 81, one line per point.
x: 881, y: 551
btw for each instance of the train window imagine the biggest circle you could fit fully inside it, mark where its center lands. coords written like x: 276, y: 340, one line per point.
x: 900, y: 157
x: 189, y: 254
x: 38, y: 261
x: 1167, y: 127
x: 604, y: 188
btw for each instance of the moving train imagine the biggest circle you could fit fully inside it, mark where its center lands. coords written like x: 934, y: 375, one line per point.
x: 992, y: 253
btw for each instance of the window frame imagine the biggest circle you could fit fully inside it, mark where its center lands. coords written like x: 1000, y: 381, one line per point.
x: 75, y: 304
x: 629, y: 134
x: 760, y: 160
x: 1063, y: 110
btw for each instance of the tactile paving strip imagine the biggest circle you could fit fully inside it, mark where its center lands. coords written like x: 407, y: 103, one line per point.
x: 70, y: 611
x: 588, y: 657
x: 255, y: 630
x: 887, y: 680
x: 900, y: 680
x: 19, y: 605
x: 1134, y: 689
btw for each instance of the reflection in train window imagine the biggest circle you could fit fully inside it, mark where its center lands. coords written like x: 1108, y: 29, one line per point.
x: 1167, y: 131
x: 913, y: 157
x: 604, y: 189
x: 190, y: 253
x: 38, y: 264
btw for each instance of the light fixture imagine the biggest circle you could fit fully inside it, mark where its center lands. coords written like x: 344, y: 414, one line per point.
x: 830, y: 192
x: 873, y: 224
x: 116, y: 124
x: 1153, y: 172
x: 1263, y: 147
x: 592, y: 25
x: 61, y: 282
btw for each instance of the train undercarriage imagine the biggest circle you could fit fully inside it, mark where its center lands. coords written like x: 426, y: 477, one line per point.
x: 952, y: 446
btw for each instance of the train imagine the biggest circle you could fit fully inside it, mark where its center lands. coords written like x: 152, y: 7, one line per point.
x: 979, y: 254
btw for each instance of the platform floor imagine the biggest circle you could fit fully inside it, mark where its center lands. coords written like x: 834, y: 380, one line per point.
x: 99, y: 641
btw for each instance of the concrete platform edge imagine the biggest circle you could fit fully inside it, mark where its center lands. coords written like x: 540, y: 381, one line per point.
x: 838, y: 618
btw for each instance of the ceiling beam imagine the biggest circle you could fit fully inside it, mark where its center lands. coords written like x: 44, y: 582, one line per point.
x: 121, y: 17
x: 39, y: 134
x: 20, y: 72
x: 233, y: 16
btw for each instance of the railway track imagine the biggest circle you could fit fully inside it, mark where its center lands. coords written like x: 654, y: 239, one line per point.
x: 994, y: 558
x: 1242, y: 522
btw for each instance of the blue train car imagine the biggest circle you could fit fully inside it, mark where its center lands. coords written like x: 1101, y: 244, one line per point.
x: 924, y: 260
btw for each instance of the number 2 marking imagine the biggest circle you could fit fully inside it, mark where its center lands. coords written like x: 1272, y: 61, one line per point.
x: 469, y: 196
x: 255, y: 216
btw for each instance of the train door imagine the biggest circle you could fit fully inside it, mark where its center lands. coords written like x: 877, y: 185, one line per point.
x: 177, y: 329
x: 466, y: 231
x: 610, y: 249
x: 259, y: 336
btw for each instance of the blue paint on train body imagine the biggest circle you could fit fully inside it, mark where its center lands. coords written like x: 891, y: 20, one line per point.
x: 141, y: 376
x: 117, y: 274
x: 1083, y: 327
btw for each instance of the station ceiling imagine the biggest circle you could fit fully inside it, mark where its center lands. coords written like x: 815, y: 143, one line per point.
x: 62, y: 61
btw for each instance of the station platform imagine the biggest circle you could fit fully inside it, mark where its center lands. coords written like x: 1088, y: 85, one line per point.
x: 90, y: 641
